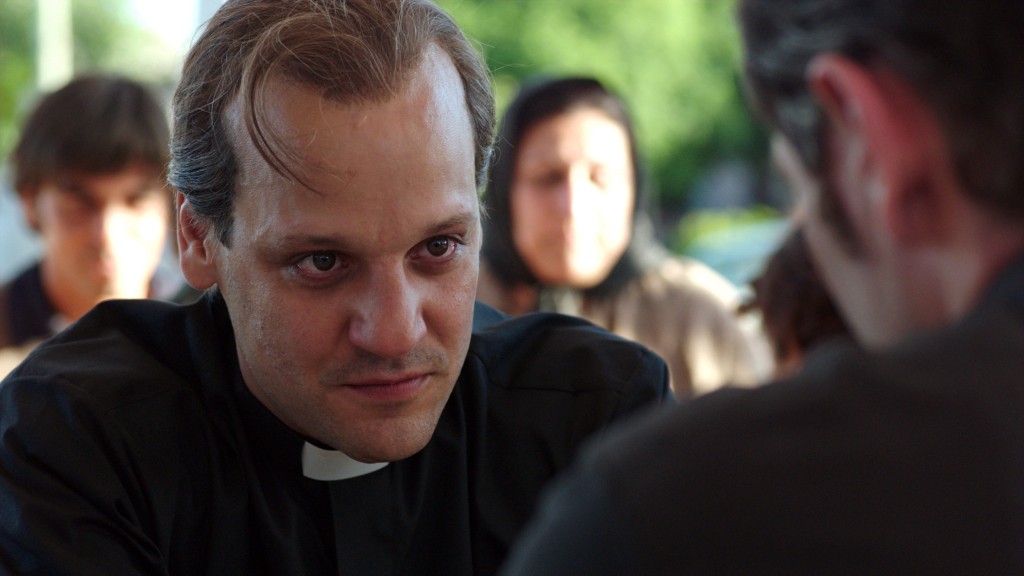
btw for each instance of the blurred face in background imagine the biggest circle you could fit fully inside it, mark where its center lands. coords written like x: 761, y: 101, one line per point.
x: 103, y: 235
x: 572, y: 197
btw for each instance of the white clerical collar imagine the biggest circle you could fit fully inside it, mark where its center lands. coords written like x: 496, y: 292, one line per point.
x: 327, y: 465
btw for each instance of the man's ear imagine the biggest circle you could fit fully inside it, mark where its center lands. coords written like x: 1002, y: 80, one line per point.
x: 888, y: 137
x: 196, y: 250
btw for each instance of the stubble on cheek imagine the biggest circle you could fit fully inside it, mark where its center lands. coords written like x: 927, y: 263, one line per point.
x: 263, y: 338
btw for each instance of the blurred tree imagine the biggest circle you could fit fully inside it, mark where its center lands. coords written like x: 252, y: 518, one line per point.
x: 16, y: 63
x: 105, y: 38
x: 675, y: 62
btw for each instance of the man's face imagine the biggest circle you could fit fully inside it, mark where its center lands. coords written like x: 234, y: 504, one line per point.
x: 103, y: 235
x: 352, y: 303
x: 572, y: 197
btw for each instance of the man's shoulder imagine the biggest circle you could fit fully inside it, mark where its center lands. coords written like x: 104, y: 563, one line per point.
x: 876, y: 427
x: 844, y: 397
x: 120, y: 352
x: 485, y: 315
x: 558, y: 352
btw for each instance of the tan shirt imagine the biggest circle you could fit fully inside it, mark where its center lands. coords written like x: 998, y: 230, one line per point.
x: 682, y: 310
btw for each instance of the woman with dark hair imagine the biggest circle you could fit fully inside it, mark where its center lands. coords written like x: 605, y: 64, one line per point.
x: 567, y: 231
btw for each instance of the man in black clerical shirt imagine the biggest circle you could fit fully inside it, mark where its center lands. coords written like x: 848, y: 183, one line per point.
x: 324, y: 409
x: 900, y: 126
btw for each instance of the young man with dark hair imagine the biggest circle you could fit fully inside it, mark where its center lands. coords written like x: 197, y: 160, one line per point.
x: 325, y: 407
x: 902, y: 129
x: 89, y: 170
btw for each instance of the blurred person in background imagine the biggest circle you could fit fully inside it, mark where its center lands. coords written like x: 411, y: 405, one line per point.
x: 796, y: 311
x: 567, y: 231
x: 88, y: 170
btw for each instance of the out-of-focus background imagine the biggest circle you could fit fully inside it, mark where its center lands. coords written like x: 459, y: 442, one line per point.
x: 676, y: 63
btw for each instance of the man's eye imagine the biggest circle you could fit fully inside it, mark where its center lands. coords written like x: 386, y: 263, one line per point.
x: 323, y: 261
x: 439, y: 246
x: 550, y: 179
x: 321, y: 266
x: 144, y: 200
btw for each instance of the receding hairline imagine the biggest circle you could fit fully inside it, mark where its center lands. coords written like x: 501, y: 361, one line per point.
x: 247, y: 125
x: 346, y: 46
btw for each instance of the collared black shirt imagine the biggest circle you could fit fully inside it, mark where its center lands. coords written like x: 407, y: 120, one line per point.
x: 131, y: 445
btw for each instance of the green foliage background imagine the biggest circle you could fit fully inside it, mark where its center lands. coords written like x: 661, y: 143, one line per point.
x: 16, y: 64
x: 105, y: 38
x: 676, y: 62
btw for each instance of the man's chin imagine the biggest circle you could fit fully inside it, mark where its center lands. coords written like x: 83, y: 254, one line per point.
x: 392, y: 440
x: 110, y: 292
x: 388, y: 452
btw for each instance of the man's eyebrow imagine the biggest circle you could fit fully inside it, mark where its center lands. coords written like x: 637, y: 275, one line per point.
x: 155, y: 186
x: 457, y: 221
x: 335, y: 242
x: 75, y: 188
x: 307, y: 241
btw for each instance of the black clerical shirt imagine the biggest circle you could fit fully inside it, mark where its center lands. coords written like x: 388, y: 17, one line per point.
x: 130, y: 445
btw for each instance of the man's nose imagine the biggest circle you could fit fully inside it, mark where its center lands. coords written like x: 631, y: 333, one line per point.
x: 388, y: 321
x: 575, y: 192
x: 110, y: 225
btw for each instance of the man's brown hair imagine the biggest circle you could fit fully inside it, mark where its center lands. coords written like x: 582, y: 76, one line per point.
x: 351, y: 51
x: 95, y: 124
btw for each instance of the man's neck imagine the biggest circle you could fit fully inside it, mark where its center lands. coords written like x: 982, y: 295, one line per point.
x: 992, y: 245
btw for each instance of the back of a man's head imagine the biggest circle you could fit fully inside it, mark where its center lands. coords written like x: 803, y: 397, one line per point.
x: 966, y: 59
x: 96, y: 124
x: 350, y: 51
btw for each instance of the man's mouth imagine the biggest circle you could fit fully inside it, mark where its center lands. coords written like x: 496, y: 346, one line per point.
x: 390, y: 388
